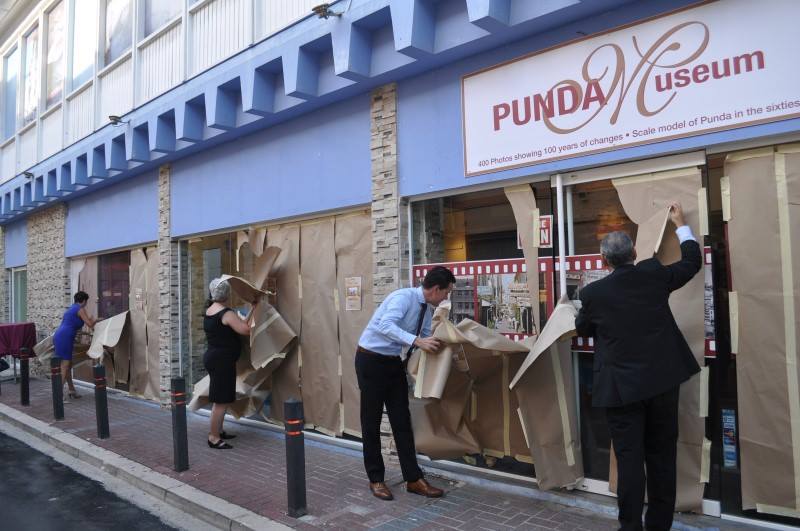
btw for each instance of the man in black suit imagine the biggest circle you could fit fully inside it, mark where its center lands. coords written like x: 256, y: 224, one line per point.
x: 640, y: 360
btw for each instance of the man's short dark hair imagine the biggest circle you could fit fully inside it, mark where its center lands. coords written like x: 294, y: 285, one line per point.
x: 617, y: 249
x: 81, y: 297
x: 439, y: 276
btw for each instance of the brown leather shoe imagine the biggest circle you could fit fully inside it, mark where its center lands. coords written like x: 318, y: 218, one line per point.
x: 381, y: 491
x: 423, y: 488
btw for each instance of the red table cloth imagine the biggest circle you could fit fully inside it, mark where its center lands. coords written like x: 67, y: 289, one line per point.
x: 14, y: 336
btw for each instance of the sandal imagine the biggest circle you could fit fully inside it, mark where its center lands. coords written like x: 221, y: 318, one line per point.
x: 219, y: 445
x: 223, y: 435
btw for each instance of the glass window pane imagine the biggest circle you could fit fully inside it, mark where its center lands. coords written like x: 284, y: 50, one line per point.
x: 159, y: 12
x: 118, y: 29
x: 31, y: 90
x: 55, y: 53
x: 11, y: 72
x: 84, y: 40
x: 113, y: 281
x: 20, y: 296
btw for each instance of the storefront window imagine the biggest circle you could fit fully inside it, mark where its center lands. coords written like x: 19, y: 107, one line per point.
x: 477, y: 228
x: 19, y: 295
x: 113, y: 283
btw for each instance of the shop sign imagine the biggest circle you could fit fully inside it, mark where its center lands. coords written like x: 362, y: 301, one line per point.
x: 545, y: 233
x: 716, y: 66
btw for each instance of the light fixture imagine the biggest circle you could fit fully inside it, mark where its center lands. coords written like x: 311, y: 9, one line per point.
x: 116, y: 120
x: 324, y: 11
x: 27, y: 175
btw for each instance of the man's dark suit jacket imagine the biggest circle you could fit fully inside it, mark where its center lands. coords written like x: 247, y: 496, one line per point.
x: 639, y: 352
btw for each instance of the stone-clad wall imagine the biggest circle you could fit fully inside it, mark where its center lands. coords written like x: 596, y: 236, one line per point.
x: 4, y: 294
x: 168, y: 291
x: 48, y: 269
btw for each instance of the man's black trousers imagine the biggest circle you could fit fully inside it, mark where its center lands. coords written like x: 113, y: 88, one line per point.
x: 645, y: 437
x: 382, y: 381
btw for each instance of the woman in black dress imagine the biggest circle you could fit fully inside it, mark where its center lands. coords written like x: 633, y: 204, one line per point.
x: 223, y: 327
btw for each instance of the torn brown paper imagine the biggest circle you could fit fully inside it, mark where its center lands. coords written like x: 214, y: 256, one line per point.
x: 764, y: 196
x: 285, y: 380
x: 523, y: 203
x: 319, y: 328
x: 545, y: 390
x: 353, y: 246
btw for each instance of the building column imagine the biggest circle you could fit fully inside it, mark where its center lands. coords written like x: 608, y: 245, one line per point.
x: 48, y: 271
x: 4, y: 292
x: 168, y: 291
x: 389, y: 245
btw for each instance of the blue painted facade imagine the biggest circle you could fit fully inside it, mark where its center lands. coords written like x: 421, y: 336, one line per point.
x: 121, y: 215
x: 312, y: 164
x: 282, y: 129
x: 16, y: 243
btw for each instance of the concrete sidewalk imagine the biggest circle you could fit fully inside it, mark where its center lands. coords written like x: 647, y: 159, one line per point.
x: 245, y: 488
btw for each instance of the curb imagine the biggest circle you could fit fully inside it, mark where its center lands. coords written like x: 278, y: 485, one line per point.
x: 210, y: 509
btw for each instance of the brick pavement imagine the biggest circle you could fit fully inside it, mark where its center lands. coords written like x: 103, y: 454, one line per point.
x: 252, y: 475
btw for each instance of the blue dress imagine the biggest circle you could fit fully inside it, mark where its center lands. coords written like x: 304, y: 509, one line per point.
x: 64, y: 338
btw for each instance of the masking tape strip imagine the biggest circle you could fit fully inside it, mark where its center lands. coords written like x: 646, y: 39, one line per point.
x: 705, y: 460
x: 536, y: 242
x: 517, y: 188
x: 703, y: 402
x: 354, y: 433
x: 473, y: 406
x: 493, y: 453
x: 420, y: 375
x: 789, y: 148
x: 341, y: 411
x: 506, y: 409
x: 788, y: 315
x: 562, y: 405
x: 340, y: 365
x: 749, y: 154
x: 300, y: 286
x: 725, y: 191
x: 733, y: 310
x: 524, y: 429
x: 336, y: 298
x: 774, y: 509
x: 299, y: 357
x: 658, y: 176
x: 702, y: 210
x: 524, y: 458
x: 263, y: 326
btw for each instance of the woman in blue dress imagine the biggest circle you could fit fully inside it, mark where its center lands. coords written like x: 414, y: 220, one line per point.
x: 74, y: 318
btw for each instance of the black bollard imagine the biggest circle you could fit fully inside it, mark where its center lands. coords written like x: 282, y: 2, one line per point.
x: 58, y: 389
x: 24, y: 370
x: 101, y: 401
x: 295, y: 457
x: 180, y: 443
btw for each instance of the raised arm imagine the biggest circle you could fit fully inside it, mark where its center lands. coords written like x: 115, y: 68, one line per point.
x: 691, y: 260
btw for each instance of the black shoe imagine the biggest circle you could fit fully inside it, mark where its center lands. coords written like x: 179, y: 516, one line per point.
x: 219, y: 445
x: 223, y: 435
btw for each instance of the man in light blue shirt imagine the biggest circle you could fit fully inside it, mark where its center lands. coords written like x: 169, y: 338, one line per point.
x: 401, y: 323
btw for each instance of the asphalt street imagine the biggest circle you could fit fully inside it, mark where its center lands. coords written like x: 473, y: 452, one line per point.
x: 38, y: 493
